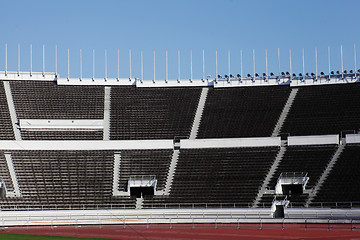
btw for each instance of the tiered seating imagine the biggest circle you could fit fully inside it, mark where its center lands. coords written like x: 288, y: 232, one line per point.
x: 46, y: 100
x: 4, y: 172
x: 65, y: 178
x: 145, y: 162
x: 327, y: 109
x: 342, y: 184
x: 242, y: 112
x: 310, y: 159
x: 6, y: 131
x: 152, y: 113
x: 231, y: 175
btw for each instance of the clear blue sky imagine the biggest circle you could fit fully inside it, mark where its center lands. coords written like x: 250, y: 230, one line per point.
x: 159, y: 25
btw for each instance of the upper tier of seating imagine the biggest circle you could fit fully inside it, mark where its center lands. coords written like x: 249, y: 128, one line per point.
x: 326, y: 109
x: 242, y: 112
x: 47, y: 100
x: 342, y: 184
x: 6, y: 131
x: 152, y: 113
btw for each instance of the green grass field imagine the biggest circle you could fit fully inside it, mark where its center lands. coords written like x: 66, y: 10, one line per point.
x: 5, y: 236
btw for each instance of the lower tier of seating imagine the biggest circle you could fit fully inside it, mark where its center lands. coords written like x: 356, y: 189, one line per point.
x: 342, y: 184
x: 227, y: 176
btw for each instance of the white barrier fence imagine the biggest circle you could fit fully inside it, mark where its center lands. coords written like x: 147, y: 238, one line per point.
x: 170, y: 216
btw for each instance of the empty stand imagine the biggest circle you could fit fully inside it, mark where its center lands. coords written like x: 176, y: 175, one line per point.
x: 46, y: 100
x: 231, y: 175
x: 342, y: 184
x: 326, y: 109
x: 4, y: 172
x: 6, y: 130
x: 310, y: 159
x: 145, y: 162
x: 242, y: 112
x: 152, y: 113
x: 65, y: 178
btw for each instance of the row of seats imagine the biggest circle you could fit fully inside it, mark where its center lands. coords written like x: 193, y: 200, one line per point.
x: 62, y: 135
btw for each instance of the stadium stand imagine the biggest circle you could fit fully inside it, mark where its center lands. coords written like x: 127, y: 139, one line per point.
x: 152, y: 113
x: 342, y: 185
x: 308, y: 159
x: 6, y: 131
x: 242, y: 112
x: 144, y: 162
x: 47, y: 100
x: 65, y: 179
x: 5, y: 174
x: 325, y: 109
x: 228, y: 176
x: 218, y: 176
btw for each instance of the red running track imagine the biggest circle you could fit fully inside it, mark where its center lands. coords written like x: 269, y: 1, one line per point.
x: 197, y: 231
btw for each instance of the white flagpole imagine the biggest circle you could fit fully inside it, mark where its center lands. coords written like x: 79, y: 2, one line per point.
x: 93, y: 78
x: 129, y: 64
x: 329, y: 59
x: 30, y: 59
x: 279, y: 60
x: 5, y: 59
x: 68, y: 64
x: 19, y: 59
x: 191, y: 69
x: 229, y: 63
x: 179, y: 65
x: 105, y: 64
x: 203, y: 55
x: 56, y: 59
x: 142, y: 67
x: 290, y: 64
x: 266, y: 64
x: 316, y: 64
x: 154, y: 66
x: 43, y: 59
x: 254, y: 62
x: 342, y: 61
x: 80, y: 64
x: 241, y: 66
x: 355, y: 60
x: 118, y: 65
x: 303, y: 62
x: 216, y: 66
x: 166, y: 65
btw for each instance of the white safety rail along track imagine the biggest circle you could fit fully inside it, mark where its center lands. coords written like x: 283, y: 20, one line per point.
x: 171, y: 216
